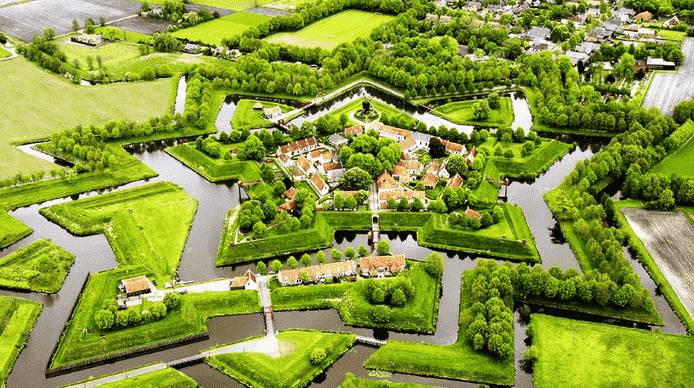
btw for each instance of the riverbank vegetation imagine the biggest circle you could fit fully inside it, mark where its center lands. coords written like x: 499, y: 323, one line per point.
x: 39, y: 267
x: 574, y: 353
x: 17, y: 319
x: 130, y: 219
x: 296, y: 365
x: 357, y: 305
x: 215, y: 169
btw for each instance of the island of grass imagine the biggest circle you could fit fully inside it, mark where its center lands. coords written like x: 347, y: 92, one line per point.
x: 213, y: 31
x: 353, y: 382
x: 350, y: 299
x: 247, y: 117
x: 583, y: 354
x: 292, y: 367
x: 75, y: 345
x: 131, y: 219
x: 460, y: 112
x: 12, y: 230
x: 17, y: 318
x: 142, y: 377
x: 680, y: 162
x: 538, y: 161
x: 216, y: 169
x: 327, y: 33
x: 459, y: 361
x: 39, y: 267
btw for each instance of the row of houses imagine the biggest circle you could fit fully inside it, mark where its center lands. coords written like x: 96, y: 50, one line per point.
x: 431, y: 17
x: 410, y: 141
x: 378, y: 266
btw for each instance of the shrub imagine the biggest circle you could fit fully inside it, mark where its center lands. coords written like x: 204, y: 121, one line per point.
x: 398, y: 298
x: 434, y: 264
x: 104, y: 319
x: 383, y: 247
x: 382, y: 314
x: 158, y: 310
x: 172, y: 300
x: 317, y: 356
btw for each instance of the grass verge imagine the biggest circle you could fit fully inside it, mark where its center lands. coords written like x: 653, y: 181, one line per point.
x: 167, y: 377
x: 39, y: 267
x: 17, y: 318
x: 215, y: 170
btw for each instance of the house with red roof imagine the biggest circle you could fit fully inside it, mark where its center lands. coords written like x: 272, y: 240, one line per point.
x: 455, y: 182
x: 318, y: 273
x: 245, y: 282
x: 305, y: 166
x: 430, y: 180
x: 380, y: 266
x: 386, y: 182
x: 320, y: 185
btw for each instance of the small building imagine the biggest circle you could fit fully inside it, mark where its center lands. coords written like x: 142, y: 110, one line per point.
x: 471, y: 213
x: 445, y: 19
x: 430, y: 180
x: 576, y: 57
x: 644, y: 16
x: 271, y: 113
x: 320, y: 184
x: 89, y: 39
x: 191, y: 48
x: 646, y: 33
x: 315, y: 155
x: 298, y: 147
x: 386, y: 182
x: 396, y: 134
x: 354, y: 131
x: 330, y: 166
x: 327, y: 157
x: 305, y: 166
x: 633, y: 35
x: 136, y: 286
x: 673, y: 21
x: 639, y: 64
x: 380, y: 266
x: 156, y: 12
x: 285, y: 161
x: 318, y: 273
x: 399, y: 172
x: 421, y: 139
x: 455, y: 182
x: 407, y: 144
x: 337, y: 140
x: 454, y: 148
x: 412, y: 165
x: 537, y: 32
x: 245, y: 282
x: 335, y: 175
x: 659, y: 64
x: 258, y: 106
x: 291, y: 192
x: 287, y: 206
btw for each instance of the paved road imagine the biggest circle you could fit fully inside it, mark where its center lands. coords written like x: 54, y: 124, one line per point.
x: 120, y: 376
x: 667, y: 90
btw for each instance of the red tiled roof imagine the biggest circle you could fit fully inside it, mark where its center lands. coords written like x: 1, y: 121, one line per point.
x: 471, y: 213
x: 136, y: 284
x: 434, y: 167
x: 291, y: 192
x: 385, y: 181
x: 644, y: 16
x: 318, y: 181
x: 430, y: 179
x: 329, y: 269
x: 354, y: 131
x: 331, y: 166
x: 455, y: 182
x: 407, y: 143
x: 372, y: 264
x: 287, y: 206
x: 242, y: 280
x: 400, y: 171
x: 304, y: 164
x: 302, y: 143
x: 394, y: 131
x: 328, y: 156
x: 316, y: 153
x: 455, y: 147
x: 284, y: 158
x: 409, y: 195
x: 311, y: 141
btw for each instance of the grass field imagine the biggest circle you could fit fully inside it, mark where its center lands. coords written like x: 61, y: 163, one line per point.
x: 236, y: 5
x: 352, y: 382
x: 293, y: 368
x: 247, y: 117
x: 671, y: 36
x: 213, y: 31
x: 583, y: 354
x: 111, y: 53
x: 460, y: 112
x: 132, y: 221
x: 531, y: 165
x: 327, y: 33
x: 458, y: 361
x: 17, y: 318
x: 12, y: 230
x: 37, y: 103
x: 4, y: 53
x: 167, y: 377
x: 39, y: 267
x: 130, y: 36
x: 215, y: 170
x: 418, y: 314
x: 680, y: 162
x: 76, y: 345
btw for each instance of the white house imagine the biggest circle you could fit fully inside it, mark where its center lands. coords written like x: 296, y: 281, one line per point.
x: 271, y: 113
x: 337, y: 141
x: 245, y: 282
x: 318, y: 273
x: 320, y: 184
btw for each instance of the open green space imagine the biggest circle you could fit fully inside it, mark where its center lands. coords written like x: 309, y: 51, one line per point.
x: 680, y: 162
x: 460, y: 112
x: 17, y: 318
x: 352, y: 301
x: 167, y: 377
x: 533, y: 164
x: 458, y: 361
x: 110, y: 53
x: 352, y: 382
x: 671, y: 36
x: 40, y: 267
x: 236, y: 5
x: 190, y: 318
x: 293, y: 368
x: 130, y: 36
x: 215, y: 170
x: 213, y: 31
x: 4, y: 53
x: 131, y: 220
x: 584, y: 354
x: 51, y: 103
x: 327, y: 33
x: 12, y: 230
x: 245, y: 117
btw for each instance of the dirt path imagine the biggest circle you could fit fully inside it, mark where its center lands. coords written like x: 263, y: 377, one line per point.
x: 667, y: 90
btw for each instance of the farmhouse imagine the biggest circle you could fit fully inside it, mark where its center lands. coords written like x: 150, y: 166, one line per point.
x: 319, y: 184
x: 381, y: 266
x: 674, y: 21
x: 89, y: 39
x: 337, y: 141
x: 271, y: 113
x: 396, y: 134
x: 325, y: 167
x: 646, y: 33
x: 456, y: 182
x: 430, y: 180
x: 453, y: 148
x: 659, y: 64
x: 136, y: 286
x: 245, y: 282
x: 318, y: 273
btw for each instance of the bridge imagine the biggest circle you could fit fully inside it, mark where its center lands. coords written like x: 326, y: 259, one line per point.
x: 370, y: 341
x: 187, y: 361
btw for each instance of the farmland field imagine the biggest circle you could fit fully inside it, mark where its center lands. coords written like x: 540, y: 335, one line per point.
x: 327, y: 33
x: 110, y: 54
x: 669, y: 238
x: 666, y: 90
x: 213, y: 31
x: 584, y: 354
x: 236, y: 5
x: 681, y: 162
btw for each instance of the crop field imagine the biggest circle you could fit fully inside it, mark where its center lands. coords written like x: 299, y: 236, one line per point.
x: 41, y: 267
x: 236, y: 5
x: 327, y: 33
x: 680, y: 162
x: 669, y: 238
x: 667, y: 90
x: 460, y: 112
x: 584, y: 354
x: 36, y: 104
x: 213, y: 31
x: 17, y: 318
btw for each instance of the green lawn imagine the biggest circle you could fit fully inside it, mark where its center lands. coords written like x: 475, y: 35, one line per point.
x: 460, y: 112
x: 76, y: 345
x: 352, y: 382
x: 327, y: 33
x: 4, y: 53
x: 167, y: 377
x: 458, y: 361
x: 39, y: 267
x: 111, y: 53
x: 247, y: 117
x: 213, y: 31
x: 418, y: 314
x: 12, y: 230
x: 236, y: 5
x: 583, y: 354
x: 531, y: 165
x: 680, y: 162
x: 17, y: 318
x: 293, y: 368
x: 215, y: 170
x: 131, y: 220
x: 48, y: 103
x: 671, y: 36
x: 130, y: 36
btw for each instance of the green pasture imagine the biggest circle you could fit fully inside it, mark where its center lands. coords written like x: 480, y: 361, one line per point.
x: 215, y: 170
x: 213, y: 31
x: 680, y: 162
x: 352, y: 382
x: 167, y: 377
x: 531, y: 165
x: 460, y: 112
x: 131, y: 220
x: 245, y: 117
x: 12, y: 230
x: 39, y: 267
x: 130, y: 36
x: 327, y: 33
x: 110, y: 53
x: 350, y: 299
x: 671, y: 36
x: 583, y: 354
x: 293, y: 368
x: 4, y: 53
x: 48, y: 103
x: 236, y: 5
x: 17, y: 318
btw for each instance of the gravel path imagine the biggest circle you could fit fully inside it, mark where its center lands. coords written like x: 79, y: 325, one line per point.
x: 667, y: 90
x: 120, y: 376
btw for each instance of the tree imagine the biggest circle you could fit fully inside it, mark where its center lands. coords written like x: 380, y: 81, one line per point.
x: 383, y: 247
x: 475, y: 223
x: 350, y: 202
x: 320, y: 257
x: 165, y: 42
x: 436, y: 148
x: 356, y: 179
x: 363, y: 252
x: 253, y: 149
x: 75, y: 25
x: 158, y: 310
x: 172, y: 300
x: 361, y: 196
x: 404, y: 204
x: 338, y: 201
x: 493, y: 100
x: 456, y: 165
x: 398, y: 298
x: 317, y: 356
x: 269, y: 210
x: 302, y: 197
x: 279, y: 188
x: 434, y: 264
x: 350, y: 253
x: 392, y: 203
x: 276, y: 266
x: 381, y: 314
x: 259, y: 229
x: 306, y: 259
x: 102, y: 22
x: 486, y: 220
x: 437, y: 206
x: 267, y: 173
x: 104, y: 319
x: 481, y: 110
x: 292, y: 263
x: 260, y: 267
x: 89, y: 26
x: 335, y: 254
x: 304, y: 277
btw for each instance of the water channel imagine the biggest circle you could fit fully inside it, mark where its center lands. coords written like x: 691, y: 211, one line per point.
x: 93, y: 254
